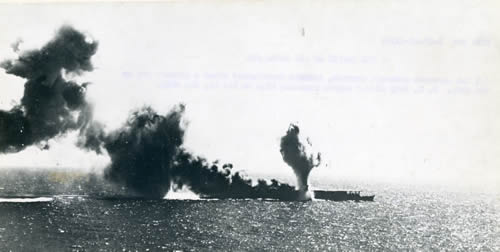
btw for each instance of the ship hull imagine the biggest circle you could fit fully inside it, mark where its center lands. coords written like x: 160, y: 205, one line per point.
x: 296, y: 196
x: 341, y: 196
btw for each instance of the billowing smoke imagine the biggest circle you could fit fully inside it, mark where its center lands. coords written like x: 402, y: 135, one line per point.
x: 50, y: 105
x: 147, y: 158
x: 217, y: 181
x: 298, y: 154
x: 147, y: 154
x: 143, y: 151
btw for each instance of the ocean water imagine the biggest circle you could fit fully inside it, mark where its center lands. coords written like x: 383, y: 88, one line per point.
x: 398, y: 220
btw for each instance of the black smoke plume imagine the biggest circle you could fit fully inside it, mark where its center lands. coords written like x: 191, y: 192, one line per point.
x: 222, y: 182
x: 147, y: 156
x: 50, y: 105
x: 297, y: 154
x: 143, y: 151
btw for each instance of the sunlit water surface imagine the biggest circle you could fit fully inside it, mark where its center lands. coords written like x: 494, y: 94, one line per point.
x: 397, y: 220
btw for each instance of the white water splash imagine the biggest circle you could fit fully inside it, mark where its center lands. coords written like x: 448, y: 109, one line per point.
x: 182, y: 194
x: 27, y: 200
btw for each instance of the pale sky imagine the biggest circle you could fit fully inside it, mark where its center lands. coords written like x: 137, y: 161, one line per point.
x: 387, y: 90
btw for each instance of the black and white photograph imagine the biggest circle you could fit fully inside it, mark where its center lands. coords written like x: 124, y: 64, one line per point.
x: 250, y: 125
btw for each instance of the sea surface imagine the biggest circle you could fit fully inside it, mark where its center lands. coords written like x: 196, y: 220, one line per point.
x: 400, y: 219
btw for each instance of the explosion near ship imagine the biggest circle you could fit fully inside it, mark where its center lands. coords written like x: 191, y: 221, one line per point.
x: 147, y: 153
